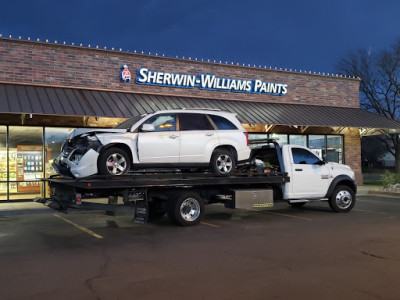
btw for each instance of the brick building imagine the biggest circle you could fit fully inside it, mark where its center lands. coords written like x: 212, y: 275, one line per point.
x: 46, y: 89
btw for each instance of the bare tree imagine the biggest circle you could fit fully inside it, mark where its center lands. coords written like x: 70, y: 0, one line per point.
x: 379, y: 87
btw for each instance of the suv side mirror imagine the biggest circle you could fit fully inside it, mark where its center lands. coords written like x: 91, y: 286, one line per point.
x: 321, y: 162
x: 148, y: 127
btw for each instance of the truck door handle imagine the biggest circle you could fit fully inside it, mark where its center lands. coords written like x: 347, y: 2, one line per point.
x: 209, y: 134
x: 298, y: 169
x: 173, y: 136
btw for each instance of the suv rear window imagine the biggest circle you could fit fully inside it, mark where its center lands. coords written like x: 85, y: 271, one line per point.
x: 222, y: 123
x: 194, y: 122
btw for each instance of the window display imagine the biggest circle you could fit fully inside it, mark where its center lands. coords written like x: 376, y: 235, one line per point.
x: 29, y: 167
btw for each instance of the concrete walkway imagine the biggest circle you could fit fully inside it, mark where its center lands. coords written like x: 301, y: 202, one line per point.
x: 23, y: 208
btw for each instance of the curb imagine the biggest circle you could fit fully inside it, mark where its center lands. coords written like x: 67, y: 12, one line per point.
x: 381, y: 193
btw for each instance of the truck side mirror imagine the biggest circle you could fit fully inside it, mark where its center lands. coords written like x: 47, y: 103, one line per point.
x: 148, y: 127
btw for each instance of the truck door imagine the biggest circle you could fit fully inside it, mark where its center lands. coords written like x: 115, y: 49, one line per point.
x: 162, y: 144
x: 309, y: 176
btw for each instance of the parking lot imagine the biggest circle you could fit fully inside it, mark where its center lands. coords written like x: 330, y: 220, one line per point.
x: 279, y: 253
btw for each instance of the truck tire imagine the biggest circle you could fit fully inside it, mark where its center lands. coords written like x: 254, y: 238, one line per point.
x: 342, y: 199
x: 186, y: 210
x: 223, y: 162
x: 114, y: 161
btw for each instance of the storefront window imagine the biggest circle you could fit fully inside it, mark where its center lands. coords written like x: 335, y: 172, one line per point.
x: 3, y: 163
x: 334, y: 148
x: 296, y: 139
x: 26, y: 162
x: 281, y: 139
x: 54, y: 139
x: 253, y: 137
x: 317, y: 144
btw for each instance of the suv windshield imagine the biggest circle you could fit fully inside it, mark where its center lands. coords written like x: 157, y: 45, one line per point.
x: 127, y: 124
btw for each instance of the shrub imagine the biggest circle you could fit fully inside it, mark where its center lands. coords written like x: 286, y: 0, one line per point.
x: 389, y: 179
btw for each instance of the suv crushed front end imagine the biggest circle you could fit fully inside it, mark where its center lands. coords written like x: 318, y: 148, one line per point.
x: 78, y: 156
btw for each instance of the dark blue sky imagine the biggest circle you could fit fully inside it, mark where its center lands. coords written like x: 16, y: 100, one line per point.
x: 307, y: 35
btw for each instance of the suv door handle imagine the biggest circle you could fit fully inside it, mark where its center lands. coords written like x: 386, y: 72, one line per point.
x: 298, y: 169
x: 209, y: 133
x: 173, y: 136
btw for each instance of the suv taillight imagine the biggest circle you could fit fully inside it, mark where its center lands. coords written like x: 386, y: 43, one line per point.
x: 247, y: 138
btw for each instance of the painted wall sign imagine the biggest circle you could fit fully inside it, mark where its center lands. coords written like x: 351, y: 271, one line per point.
x: 209, y: 82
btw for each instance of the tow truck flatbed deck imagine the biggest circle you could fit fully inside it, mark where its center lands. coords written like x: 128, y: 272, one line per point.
x: 141, y: 180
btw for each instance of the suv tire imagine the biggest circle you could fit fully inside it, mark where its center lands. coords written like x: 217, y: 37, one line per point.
x: 223, y: 162
x: 114, y: 161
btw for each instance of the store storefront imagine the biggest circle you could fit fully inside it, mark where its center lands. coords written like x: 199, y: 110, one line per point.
x: 47, y: 89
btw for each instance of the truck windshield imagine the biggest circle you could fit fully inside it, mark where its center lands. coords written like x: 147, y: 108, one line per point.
x: 127, y: 124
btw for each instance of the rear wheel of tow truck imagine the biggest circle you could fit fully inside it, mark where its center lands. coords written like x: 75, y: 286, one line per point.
x: 343, y: 199
x: 186, y: 210
x: 114, y: 161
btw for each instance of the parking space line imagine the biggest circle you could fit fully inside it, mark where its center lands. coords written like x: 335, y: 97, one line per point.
x: 88, y: 231
x: 208, y: 224
x: 289, y: 216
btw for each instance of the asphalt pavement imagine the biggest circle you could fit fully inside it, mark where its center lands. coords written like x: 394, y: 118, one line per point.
x: 278, y: 253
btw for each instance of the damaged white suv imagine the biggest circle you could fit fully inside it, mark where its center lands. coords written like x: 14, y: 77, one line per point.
x: 165, y: 139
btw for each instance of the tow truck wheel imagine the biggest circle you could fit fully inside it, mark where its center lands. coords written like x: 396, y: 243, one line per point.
x: 343, y: 199
x: 223, y: 162
x: 186, y: 210
x: 114, y: 161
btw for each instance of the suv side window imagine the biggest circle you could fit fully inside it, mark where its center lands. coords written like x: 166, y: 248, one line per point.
x: 194, y: 122
x: 222, y: 123
x: 165, y: 122
x: 303, y: 156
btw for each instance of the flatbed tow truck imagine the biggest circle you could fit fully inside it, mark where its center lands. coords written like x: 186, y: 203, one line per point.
x: 183, y: 195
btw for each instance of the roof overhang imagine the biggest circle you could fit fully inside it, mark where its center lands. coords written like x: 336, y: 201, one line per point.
x: 57, y: 101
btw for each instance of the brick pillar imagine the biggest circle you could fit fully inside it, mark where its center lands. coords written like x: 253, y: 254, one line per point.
x: 352, y: 150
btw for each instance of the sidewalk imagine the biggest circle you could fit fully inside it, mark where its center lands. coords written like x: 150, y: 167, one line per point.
x: 23, y: 208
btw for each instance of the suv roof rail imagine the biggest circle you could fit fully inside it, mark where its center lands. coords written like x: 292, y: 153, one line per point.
x: 202, y: 108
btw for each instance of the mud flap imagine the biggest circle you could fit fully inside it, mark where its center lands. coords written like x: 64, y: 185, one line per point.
x: 137, y: 199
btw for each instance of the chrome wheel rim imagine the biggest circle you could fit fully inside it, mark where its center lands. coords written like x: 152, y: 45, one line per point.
x: 116, y: 164
x: 190, y: 209
x: 344, y: 199
x: 224, y: 163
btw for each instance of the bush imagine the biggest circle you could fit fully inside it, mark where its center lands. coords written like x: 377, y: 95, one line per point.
x: 389, y: 179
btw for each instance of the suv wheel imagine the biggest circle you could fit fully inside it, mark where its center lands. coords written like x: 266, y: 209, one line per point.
x: 223, y: 162
x: 114, y: 161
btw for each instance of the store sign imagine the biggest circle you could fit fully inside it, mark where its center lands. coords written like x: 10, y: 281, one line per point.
x: 125, y: 75
x: 209, y: 82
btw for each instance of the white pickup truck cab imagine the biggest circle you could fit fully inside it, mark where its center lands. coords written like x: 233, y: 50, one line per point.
x: 313, y: 179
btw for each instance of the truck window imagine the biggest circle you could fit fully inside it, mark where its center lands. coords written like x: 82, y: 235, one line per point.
x: 303, y: 156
